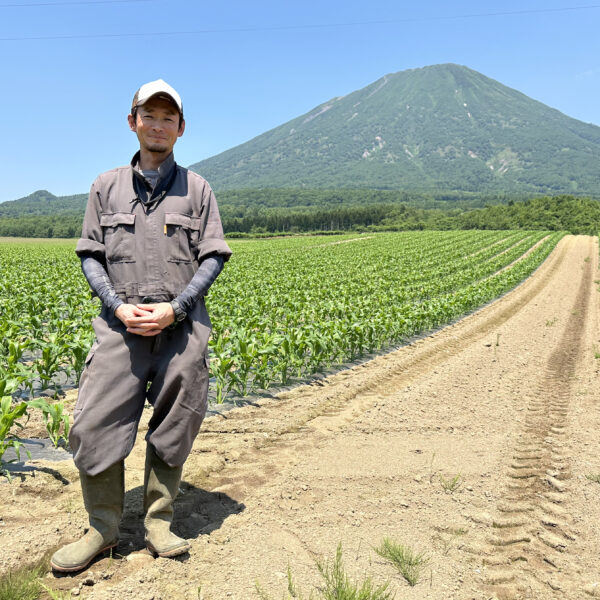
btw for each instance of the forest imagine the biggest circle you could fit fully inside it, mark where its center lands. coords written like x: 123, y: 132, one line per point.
x: 259, y: 212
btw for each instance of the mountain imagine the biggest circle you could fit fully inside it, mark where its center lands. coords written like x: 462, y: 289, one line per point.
x: 438, y: 127
x: 43, y: 202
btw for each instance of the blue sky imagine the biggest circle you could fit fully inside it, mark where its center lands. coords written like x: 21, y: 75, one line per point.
x: 70, y: 68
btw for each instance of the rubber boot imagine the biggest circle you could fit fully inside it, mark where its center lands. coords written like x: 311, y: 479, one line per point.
x: 103, y: 499
x: 161, y: 485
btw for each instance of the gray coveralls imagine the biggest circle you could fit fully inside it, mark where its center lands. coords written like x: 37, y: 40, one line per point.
x: 151, y: 252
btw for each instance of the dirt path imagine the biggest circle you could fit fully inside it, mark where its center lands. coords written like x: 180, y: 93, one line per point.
x: 505, y: 401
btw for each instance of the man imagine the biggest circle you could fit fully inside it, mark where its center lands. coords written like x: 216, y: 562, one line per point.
x: 151, y: 246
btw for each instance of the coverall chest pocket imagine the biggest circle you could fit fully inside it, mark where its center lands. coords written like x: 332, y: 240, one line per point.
x: 119, y: 236
x: 183, y: 233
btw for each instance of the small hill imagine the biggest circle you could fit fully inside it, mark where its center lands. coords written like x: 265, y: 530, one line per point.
x: 43, y: 202
x: 439, y: 127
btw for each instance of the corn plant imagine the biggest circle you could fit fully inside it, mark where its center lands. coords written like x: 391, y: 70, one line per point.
x: 14, y: 354
x: 9, y: 415
x: 77, y: 346
x: 55, y: 419
x: 49, y: 362
x: 246, y: 351
x: 222, y: 367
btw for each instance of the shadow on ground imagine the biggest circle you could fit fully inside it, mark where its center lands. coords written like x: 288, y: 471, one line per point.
x: 197, y: 512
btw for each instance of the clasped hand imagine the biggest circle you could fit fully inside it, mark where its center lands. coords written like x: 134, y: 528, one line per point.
x: 146, y: 319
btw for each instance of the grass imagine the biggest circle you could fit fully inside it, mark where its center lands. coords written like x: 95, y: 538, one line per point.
x: 409, y: 563
x: 57, y: 594
x: 449, y: 485
x: 71, y: 505
x: 431, y: 471
x: 551, y: 322
x: 456, y: 531
x: 23, y: 583
x: 292, y: 590
x: 448, y: 535
x: 336, y: 585
x: 452, y: 484
x: 261, y: 593
x: 595, y: 477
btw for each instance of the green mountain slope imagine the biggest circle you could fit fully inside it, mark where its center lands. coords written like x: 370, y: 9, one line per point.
x: 43, y: 202
x: 439, y: 127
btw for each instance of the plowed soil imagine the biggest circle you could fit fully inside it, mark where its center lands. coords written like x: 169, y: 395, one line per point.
x: 477, y: 445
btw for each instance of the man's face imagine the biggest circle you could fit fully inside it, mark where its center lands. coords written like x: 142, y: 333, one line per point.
x: 156, y: 124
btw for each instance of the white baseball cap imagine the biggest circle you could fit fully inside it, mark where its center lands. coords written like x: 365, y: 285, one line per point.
x: 158, y: 88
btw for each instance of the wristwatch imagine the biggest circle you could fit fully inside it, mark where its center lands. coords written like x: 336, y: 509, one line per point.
x: 180, y: 314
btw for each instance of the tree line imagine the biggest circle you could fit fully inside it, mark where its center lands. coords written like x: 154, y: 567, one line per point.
x: 559, y: 213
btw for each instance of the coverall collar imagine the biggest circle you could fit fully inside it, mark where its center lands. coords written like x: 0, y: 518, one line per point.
x: 166, y: 174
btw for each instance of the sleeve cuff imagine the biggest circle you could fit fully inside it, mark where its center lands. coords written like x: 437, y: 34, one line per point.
x: 85, y: 246
x: 115, y: 304
x: 214, y: 246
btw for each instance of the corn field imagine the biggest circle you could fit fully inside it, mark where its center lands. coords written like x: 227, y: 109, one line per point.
x: 282, y: 309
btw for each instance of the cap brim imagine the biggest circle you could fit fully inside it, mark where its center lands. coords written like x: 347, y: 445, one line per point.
x: 161, y: 96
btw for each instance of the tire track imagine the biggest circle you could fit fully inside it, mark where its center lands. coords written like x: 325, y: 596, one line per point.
x: 529, y: 538
x: 346, y: 393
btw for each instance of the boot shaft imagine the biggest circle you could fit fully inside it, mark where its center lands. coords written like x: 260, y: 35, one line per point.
x: 161, y: 486
x: 103, y: 496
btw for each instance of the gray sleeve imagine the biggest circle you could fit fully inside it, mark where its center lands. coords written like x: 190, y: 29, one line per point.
x: 206, y: 274
x: 92, y: 238
x: 211, y: 228
x: 101, y: 285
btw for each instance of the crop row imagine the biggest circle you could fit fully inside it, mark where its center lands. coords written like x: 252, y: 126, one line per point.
x: 281, y: 309
x: 282, y: 313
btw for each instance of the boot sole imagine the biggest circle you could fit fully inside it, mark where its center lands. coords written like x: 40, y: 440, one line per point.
x: 170, y: 553
x: 79, y: 567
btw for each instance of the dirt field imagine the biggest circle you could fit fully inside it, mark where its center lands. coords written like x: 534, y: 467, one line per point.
x: 507, y: 400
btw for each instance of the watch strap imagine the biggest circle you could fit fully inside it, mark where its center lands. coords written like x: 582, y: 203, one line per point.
x: 180, y: 314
